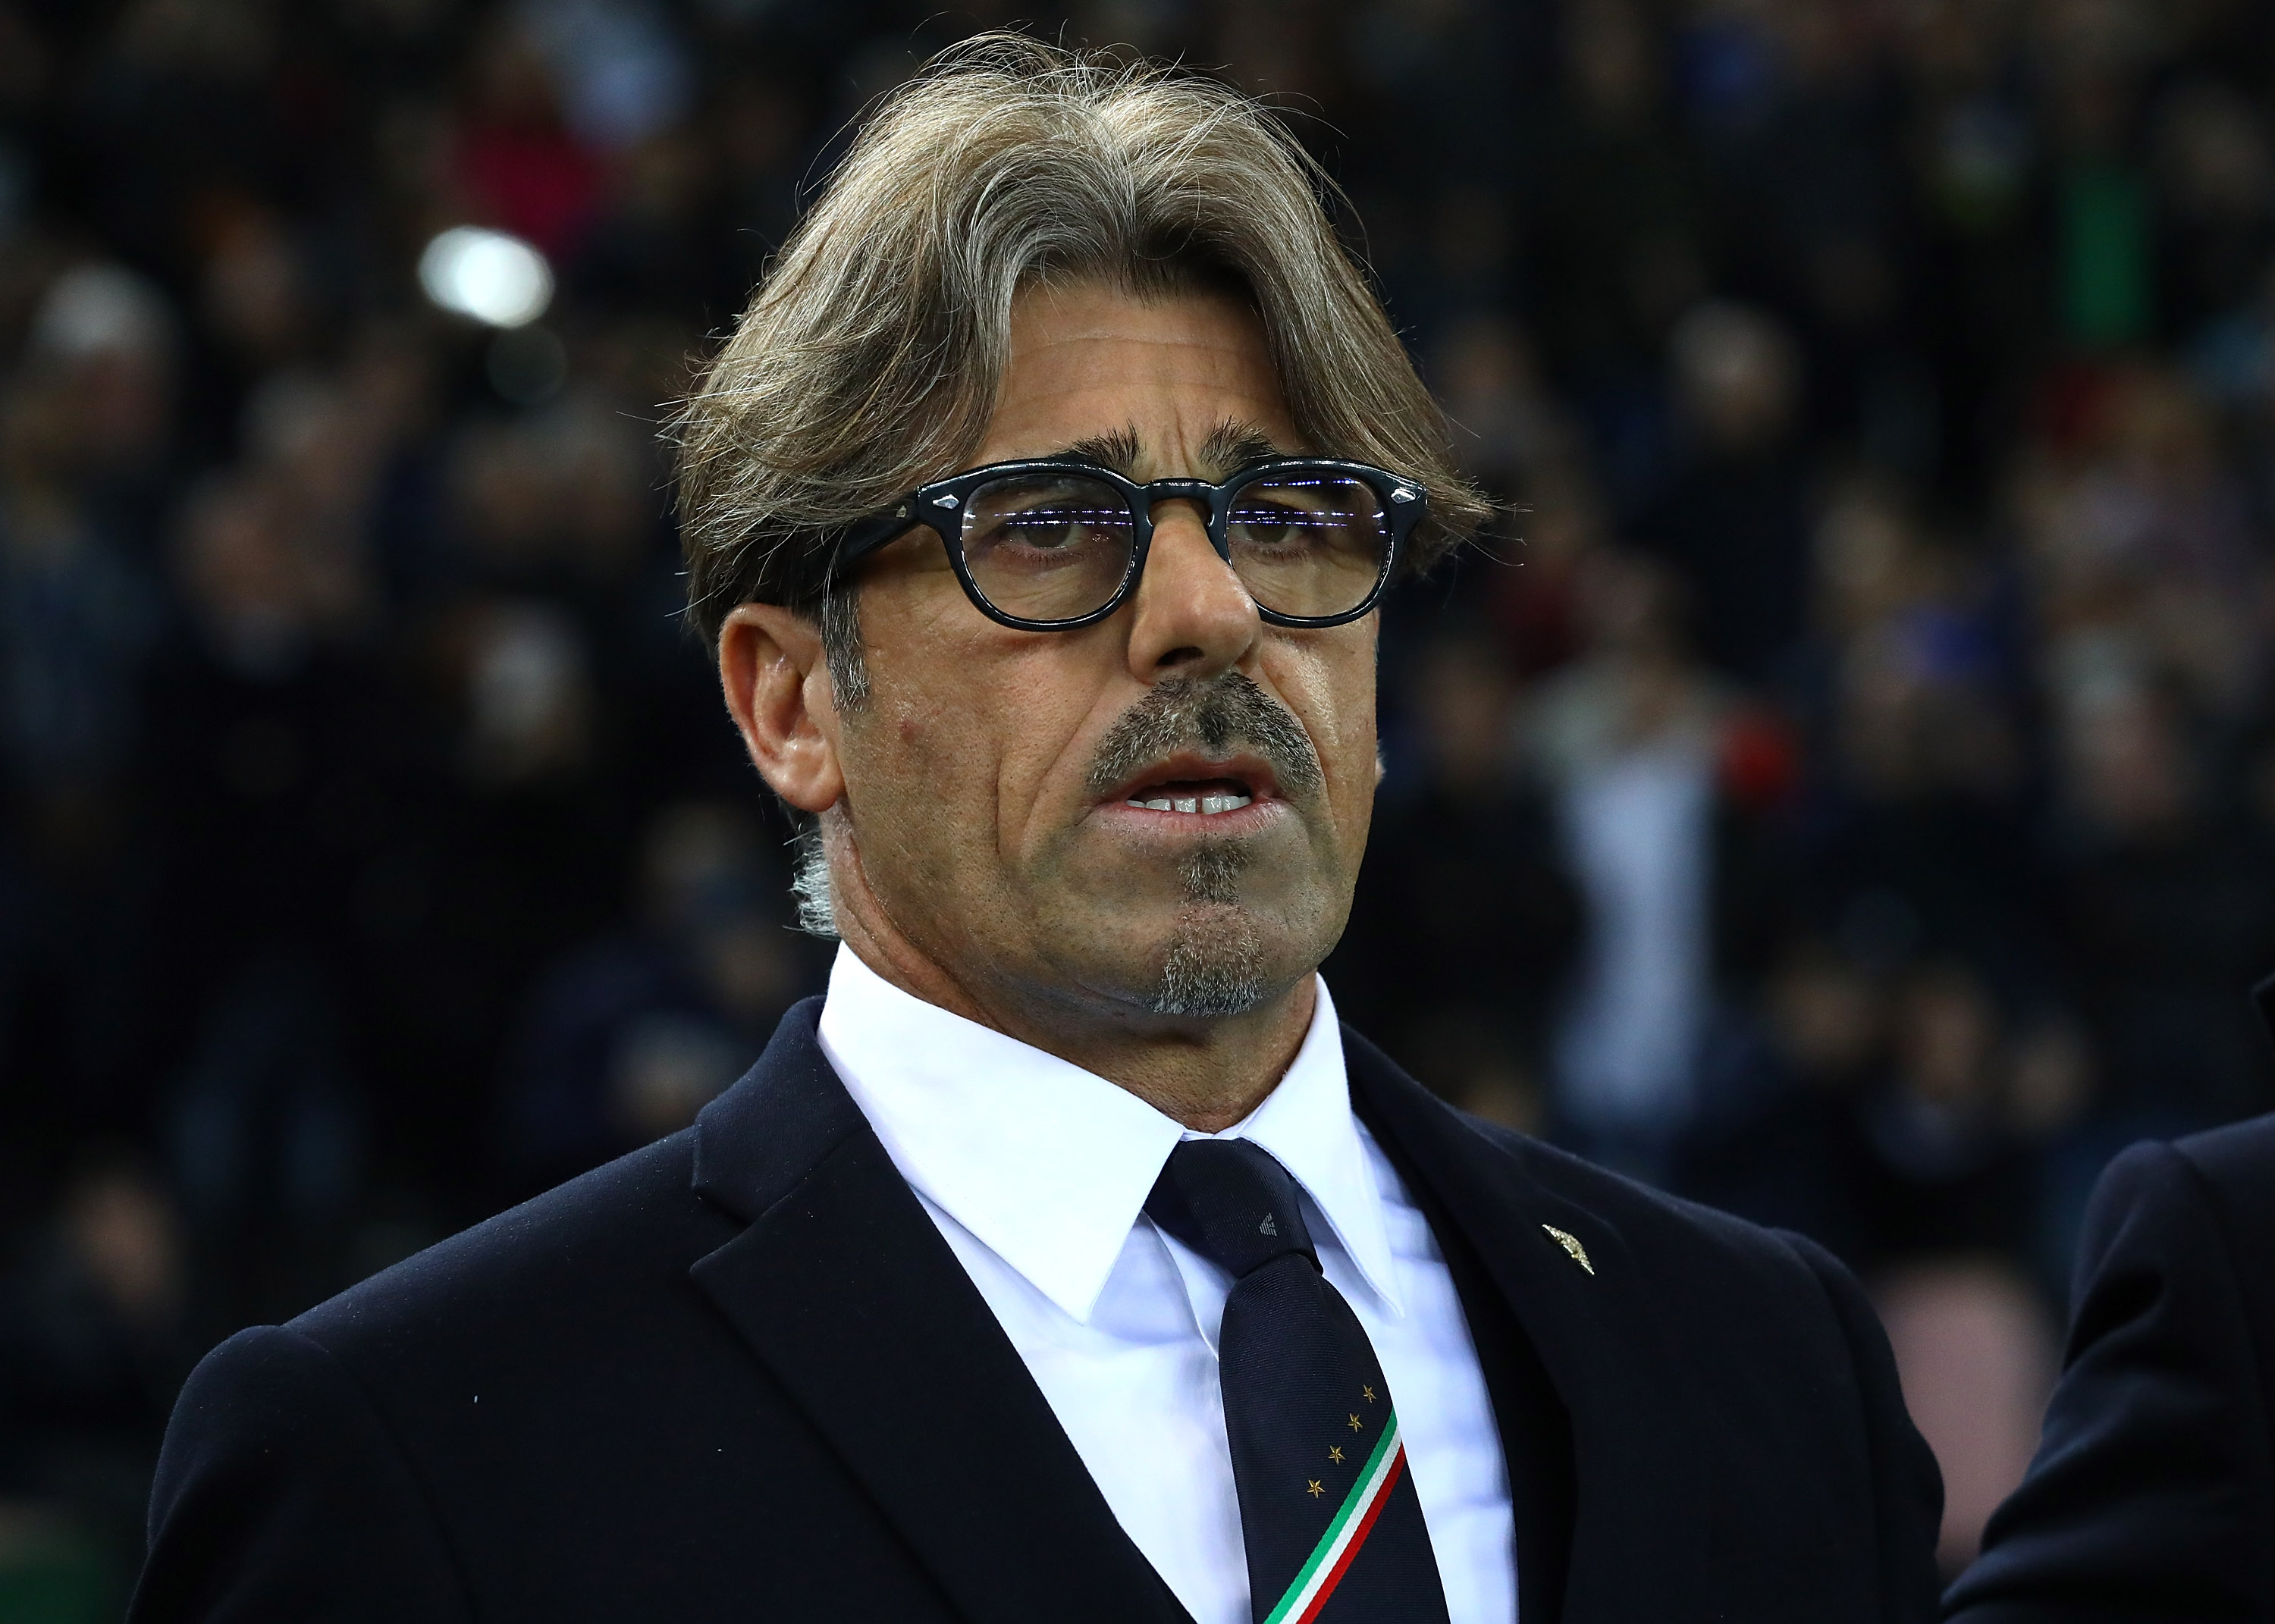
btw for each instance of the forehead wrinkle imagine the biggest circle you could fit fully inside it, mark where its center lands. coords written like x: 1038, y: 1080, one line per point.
x: 1233, y: 443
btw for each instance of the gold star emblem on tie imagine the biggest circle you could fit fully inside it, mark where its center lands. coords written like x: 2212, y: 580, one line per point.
x: 1367, y: 1393
x: 1314, y: 1489
x: 1355, y: 1424
x: 1335, y: 1454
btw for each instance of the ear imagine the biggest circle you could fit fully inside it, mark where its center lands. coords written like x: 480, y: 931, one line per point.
x: 777, y: 688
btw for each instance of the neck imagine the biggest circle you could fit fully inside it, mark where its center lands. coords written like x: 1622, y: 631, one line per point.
x: 1206, y: 1073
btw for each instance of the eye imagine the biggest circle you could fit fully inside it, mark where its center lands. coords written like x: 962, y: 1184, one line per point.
x: 1043, y: 515
x: 1274, y: 522
x: 1047, y: 545
x: 1308, y: 541
x: 1304, y: 513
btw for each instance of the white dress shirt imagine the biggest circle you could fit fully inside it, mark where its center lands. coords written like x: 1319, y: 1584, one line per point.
x: 1036, y: 1172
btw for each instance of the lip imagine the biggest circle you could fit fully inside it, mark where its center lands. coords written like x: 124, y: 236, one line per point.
x: 1147, y: 824
x: 1189, y: 766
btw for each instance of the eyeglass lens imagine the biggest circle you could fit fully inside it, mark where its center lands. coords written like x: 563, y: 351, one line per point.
x: 1308, y: 543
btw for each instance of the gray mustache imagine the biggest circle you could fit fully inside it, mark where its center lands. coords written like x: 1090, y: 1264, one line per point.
x: 1213, y: 716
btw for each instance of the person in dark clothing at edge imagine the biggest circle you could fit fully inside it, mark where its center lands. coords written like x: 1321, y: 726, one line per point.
x: 1070, y: 1260
x: 2152, y: 1495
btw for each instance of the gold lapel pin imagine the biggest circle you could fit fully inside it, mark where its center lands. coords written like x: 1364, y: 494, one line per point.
x: 1571, y: 1245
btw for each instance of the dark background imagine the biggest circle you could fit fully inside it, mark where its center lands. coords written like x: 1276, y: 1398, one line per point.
x: 1844, y: 789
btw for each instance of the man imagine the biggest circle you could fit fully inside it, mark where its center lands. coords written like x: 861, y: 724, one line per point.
x: 2153, y: 1492
x: 1069, y: 1261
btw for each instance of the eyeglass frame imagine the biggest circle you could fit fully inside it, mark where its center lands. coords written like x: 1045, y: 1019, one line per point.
x: 938, y: 508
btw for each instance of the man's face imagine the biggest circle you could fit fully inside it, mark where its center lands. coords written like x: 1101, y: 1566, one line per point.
x: 995, y: 780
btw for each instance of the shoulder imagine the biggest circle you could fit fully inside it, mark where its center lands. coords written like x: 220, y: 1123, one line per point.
x: 1722, y: 1268
x: 2201, y: 1204
x: 354, y: 1439
x: 2237, y: 1166
x: 1696, y: 1347
x: 2181, y: 1237
x: 1640, y: 1288
x: 1534, y: 1186
x: 1599, y: 1188
x: 576, y: 1260
x: 1769, y: 1312
x: 2245, y: 1147
x: 2237, y: 1163
x: 277, y: 1474
x: 2155, y: 1478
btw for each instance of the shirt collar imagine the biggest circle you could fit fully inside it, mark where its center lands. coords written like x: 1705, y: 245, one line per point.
x: 1049, y: 1164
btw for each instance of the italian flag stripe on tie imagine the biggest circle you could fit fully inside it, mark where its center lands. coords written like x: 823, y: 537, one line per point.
x: 1332, y: 1556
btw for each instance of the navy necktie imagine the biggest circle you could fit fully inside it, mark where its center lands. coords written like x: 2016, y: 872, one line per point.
x: 1334, y: 1531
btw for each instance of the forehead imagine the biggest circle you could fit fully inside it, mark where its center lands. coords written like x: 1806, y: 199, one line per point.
x: 1088, y: 362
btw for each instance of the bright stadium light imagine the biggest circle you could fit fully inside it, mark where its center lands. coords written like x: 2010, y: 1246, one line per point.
x: 498, y: 280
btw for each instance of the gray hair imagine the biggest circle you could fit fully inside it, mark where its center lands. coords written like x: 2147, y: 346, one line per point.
x: 812, y: 899
x: 869, y: 360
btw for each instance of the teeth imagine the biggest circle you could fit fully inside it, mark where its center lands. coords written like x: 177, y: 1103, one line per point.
x: 1206, y: 806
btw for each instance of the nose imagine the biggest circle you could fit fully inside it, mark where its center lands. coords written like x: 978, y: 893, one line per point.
x: 1193, y: 617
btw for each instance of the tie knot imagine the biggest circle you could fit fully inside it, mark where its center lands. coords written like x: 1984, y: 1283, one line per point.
x: 1232, y: 1202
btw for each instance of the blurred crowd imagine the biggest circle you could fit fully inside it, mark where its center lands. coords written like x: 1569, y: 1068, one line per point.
x: 1841, y: 789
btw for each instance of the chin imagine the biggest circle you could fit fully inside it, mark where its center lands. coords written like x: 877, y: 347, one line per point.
x: 1213, y: 967
x: 1214, y: 936
x: 1223, y: 960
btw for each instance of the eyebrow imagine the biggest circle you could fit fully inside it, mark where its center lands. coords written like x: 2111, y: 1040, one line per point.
x: 1230, y: 445
x: 1117, y: 448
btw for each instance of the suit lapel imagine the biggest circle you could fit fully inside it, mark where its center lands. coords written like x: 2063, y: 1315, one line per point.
x: 843, y: 1288
x: 1639, y: 1523
x: 1536, y: 1433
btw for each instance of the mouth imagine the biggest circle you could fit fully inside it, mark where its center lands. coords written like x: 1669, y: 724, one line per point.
x: 1193, y: 786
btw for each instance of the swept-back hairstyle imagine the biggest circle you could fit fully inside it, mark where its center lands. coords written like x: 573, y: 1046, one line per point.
x: 869, y: 360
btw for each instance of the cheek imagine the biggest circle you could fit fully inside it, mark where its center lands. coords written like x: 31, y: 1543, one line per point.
x: 1331, y: 689
x: 918, y: 788
x: 968, y: 742
x: 1357, y: 774
x: 932, y: 755
x: 1039, y: 705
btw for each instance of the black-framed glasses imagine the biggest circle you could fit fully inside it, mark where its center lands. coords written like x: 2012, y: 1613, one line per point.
x: 1057, y: 544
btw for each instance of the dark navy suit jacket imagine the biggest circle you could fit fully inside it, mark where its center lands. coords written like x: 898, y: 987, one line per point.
x: 2153, y: 1493
x: 740, y: 1375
